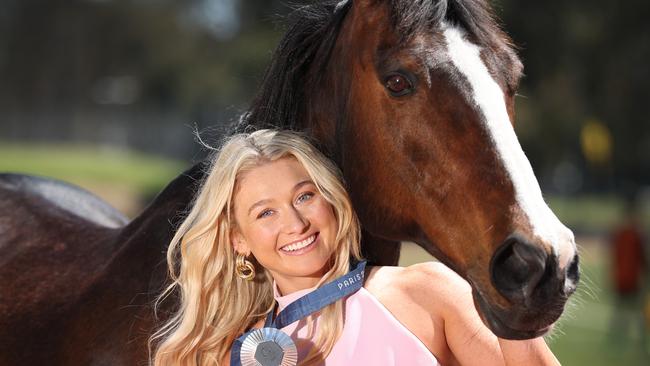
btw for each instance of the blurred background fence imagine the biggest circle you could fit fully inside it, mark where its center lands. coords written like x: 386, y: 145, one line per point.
x: 107, y: 94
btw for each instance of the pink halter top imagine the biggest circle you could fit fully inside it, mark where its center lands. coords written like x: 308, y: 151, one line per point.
x: 371, y: 335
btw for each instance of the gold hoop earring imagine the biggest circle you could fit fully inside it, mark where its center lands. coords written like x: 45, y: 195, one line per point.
x: 244, y: 269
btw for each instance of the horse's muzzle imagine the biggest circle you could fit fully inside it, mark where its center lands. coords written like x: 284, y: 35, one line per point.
x: 533, y: 283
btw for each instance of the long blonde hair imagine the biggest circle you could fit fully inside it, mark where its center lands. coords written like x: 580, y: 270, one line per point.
x: 215, y: 305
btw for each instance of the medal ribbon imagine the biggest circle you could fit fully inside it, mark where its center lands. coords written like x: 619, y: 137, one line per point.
x: 327, y: 294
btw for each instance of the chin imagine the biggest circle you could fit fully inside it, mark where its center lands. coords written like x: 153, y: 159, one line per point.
x: 516, y: 323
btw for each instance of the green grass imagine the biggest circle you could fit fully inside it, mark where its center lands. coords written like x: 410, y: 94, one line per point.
x: 127, y: 180
x: 87, y: 165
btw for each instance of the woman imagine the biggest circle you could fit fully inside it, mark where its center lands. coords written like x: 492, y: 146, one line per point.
x: 271, y: 224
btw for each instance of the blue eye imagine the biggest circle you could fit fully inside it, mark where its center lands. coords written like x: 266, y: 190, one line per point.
x: 304, y: 197
x: 264, y: 213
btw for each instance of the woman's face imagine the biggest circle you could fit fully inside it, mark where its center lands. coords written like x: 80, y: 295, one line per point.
x: 285, y: 222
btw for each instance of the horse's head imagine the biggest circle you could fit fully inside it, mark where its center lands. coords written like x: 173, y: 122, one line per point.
x: 415, y: 101
x: 418, y: 99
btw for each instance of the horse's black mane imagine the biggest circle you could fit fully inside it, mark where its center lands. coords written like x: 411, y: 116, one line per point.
x: 312, y: 32
x: 311, y: 35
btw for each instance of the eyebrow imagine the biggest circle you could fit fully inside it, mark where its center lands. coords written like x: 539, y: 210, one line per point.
x: 267, y: 200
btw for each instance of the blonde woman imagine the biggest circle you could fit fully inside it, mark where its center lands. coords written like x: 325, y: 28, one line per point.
x: 268, y: 268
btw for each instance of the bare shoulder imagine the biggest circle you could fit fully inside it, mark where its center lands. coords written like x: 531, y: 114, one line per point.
x: 421, y: 283
x: 440, y: 279
x: 421, y: 298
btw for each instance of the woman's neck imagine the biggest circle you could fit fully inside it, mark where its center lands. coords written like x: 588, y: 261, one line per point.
x: 287, y: 286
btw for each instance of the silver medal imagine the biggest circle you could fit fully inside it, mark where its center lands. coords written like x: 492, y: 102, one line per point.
x: 268, y: 347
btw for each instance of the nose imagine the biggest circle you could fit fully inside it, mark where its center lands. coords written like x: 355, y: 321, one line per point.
x: 517, y: 268
x: 522, y: 271
x: 295, y: 221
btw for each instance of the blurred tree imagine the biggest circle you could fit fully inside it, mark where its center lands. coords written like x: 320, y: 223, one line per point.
x: 584, y: 60
x: 131, y: 60
x: 56, y: 50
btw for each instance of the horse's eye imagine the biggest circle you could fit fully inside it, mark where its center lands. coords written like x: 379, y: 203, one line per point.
x: 398, y: 85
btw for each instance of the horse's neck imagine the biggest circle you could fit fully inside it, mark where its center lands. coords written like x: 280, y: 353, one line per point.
x: 173, y: 200
x: 144, y: 240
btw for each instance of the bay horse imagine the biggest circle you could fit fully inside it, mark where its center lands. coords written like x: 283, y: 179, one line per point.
x: 413, y: 99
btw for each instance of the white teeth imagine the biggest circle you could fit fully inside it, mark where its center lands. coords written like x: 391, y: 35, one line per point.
x: 300, y: 244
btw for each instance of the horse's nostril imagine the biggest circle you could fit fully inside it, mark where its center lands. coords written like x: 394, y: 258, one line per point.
x: 517, y: 268
x: 572, y: 276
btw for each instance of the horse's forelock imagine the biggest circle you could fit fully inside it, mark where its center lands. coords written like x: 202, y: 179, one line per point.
x: 475, y: 17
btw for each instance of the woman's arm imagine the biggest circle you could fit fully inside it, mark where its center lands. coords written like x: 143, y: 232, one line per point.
x: 471, y: 342
x: 529, y: 352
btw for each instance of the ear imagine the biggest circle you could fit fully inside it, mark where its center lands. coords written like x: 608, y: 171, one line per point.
x: 239, y: 242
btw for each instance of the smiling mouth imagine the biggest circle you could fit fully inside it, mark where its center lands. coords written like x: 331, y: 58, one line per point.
x: 295, y: 247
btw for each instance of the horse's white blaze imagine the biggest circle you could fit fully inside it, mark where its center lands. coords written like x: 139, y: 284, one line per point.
x: 488, y: 97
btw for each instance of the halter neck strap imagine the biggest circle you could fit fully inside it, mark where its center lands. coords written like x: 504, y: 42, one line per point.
x: 319, y: 298
x: 307, y: 305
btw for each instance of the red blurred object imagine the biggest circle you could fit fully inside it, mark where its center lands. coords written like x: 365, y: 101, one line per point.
x: 628, y: 257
